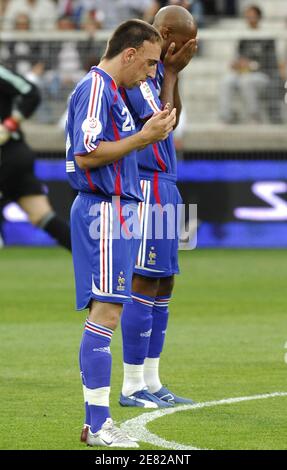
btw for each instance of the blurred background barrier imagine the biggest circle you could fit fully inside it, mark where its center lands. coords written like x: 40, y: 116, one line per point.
x: 216, y: 89
x: 232, y: 137
x: 241, y: 200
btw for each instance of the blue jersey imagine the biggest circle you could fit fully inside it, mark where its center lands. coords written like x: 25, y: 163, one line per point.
x: 158, y: 80
x: 98, y: 113
x: 143, y: 102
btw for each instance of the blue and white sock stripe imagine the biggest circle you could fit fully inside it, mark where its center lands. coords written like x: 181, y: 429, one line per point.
x: 143, y: 212
x: 98, y: 329
x: 106, y: 248
x: 149, y: 302
x: 161, y: 301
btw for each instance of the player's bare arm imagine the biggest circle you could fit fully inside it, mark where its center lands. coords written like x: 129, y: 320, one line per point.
x: 155, y: 129
x: 174, y: 63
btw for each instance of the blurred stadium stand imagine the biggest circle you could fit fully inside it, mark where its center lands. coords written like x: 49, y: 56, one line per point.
x: 200, y: 88
x: 200, y: 80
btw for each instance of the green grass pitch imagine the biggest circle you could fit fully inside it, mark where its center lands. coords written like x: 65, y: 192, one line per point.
x: 226, y: 338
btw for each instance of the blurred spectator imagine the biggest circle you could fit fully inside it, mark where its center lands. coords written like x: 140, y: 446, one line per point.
x: 135, y: 8
x: 26, y: 58
x: 283, y: 69
x: 194, y: 6
x: 91, y: 60
x: 220, y: 7
x: 71, y: 8
x: 63, y: 62
x: 22, y: 55
x: 283, y: 74
x: 152, y: 10
x: 66, y: 61
x: 179, y: 134
x: 105, y: 14
x: 255, y: 75
x: 283, y: 64
x: 109, y: 13
x: 81, y: 11
x: 230, y: 7
x: 41, y: 13
x: 3, y: 7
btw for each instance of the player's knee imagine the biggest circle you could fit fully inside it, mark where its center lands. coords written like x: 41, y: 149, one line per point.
x: 105, y: 314
x: 114, y: 318
x: 145, y: 285
x: 166, y: 286
x: 37, y: 208
x: 35, y: 219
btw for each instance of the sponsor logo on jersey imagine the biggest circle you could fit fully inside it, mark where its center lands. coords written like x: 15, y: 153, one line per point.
x: 146, y: 91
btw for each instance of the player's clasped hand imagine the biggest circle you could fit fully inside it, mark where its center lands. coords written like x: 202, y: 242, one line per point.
x: 4, y: 134
x: 160, y: 125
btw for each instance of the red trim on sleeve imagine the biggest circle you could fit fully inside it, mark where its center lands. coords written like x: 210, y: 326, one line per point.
x: 115, y: 89
x: 123, y: 94
x: 117, y: 165
x: 113, y: 85
x: 115, y: 129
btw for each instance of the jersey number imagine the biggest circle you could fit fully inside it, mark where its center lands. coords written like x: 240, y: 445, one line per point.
x: 129, y: 124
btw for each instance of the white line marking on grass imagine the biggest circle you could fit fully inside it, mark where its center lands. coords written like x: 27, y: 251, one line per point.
x: 136, y: 427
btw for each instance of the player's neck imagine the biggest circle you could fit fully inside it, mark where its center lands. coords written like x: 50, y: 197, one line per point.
x: 111, y: 67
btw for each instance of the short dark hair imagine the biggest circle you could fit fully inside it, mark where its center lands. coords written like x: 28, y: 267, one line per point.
x: 131, y: 33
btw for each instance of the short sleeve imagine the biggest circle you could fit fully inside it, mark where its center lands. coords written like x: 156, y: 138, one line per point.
x: 91, y: 110
x: 143, y: 100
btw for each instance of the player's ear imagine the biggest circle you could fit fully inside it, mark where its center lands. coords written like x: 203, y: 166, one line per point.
x: 165, y: 32
x: 129, y: 55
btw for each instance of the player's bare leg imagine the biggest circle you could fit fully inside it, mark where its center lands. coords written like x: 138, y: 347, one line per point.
x: 41, y: 214
x: 105, y: 313
x: 36, y: 207
x: 146, y: 285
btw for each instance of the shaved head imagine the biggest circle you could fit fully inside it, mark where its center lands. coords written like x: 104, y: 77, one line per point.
x: 177, y: 19
x: 175, y: 24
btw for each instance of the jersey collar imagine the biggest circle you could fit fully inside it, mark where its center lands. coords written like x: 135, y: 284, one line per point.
x: 105, y: 75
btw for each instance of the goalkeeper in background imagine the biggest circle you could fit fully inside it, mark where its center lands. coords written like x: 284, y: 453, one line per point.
x: 18, y: 100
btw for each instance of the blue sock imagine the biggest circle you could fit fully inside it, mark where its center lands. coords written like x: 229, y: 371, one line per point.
x: 159, y: 326
x: 87, y: 411
x: 96, y: 363
x: 136, y: 324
